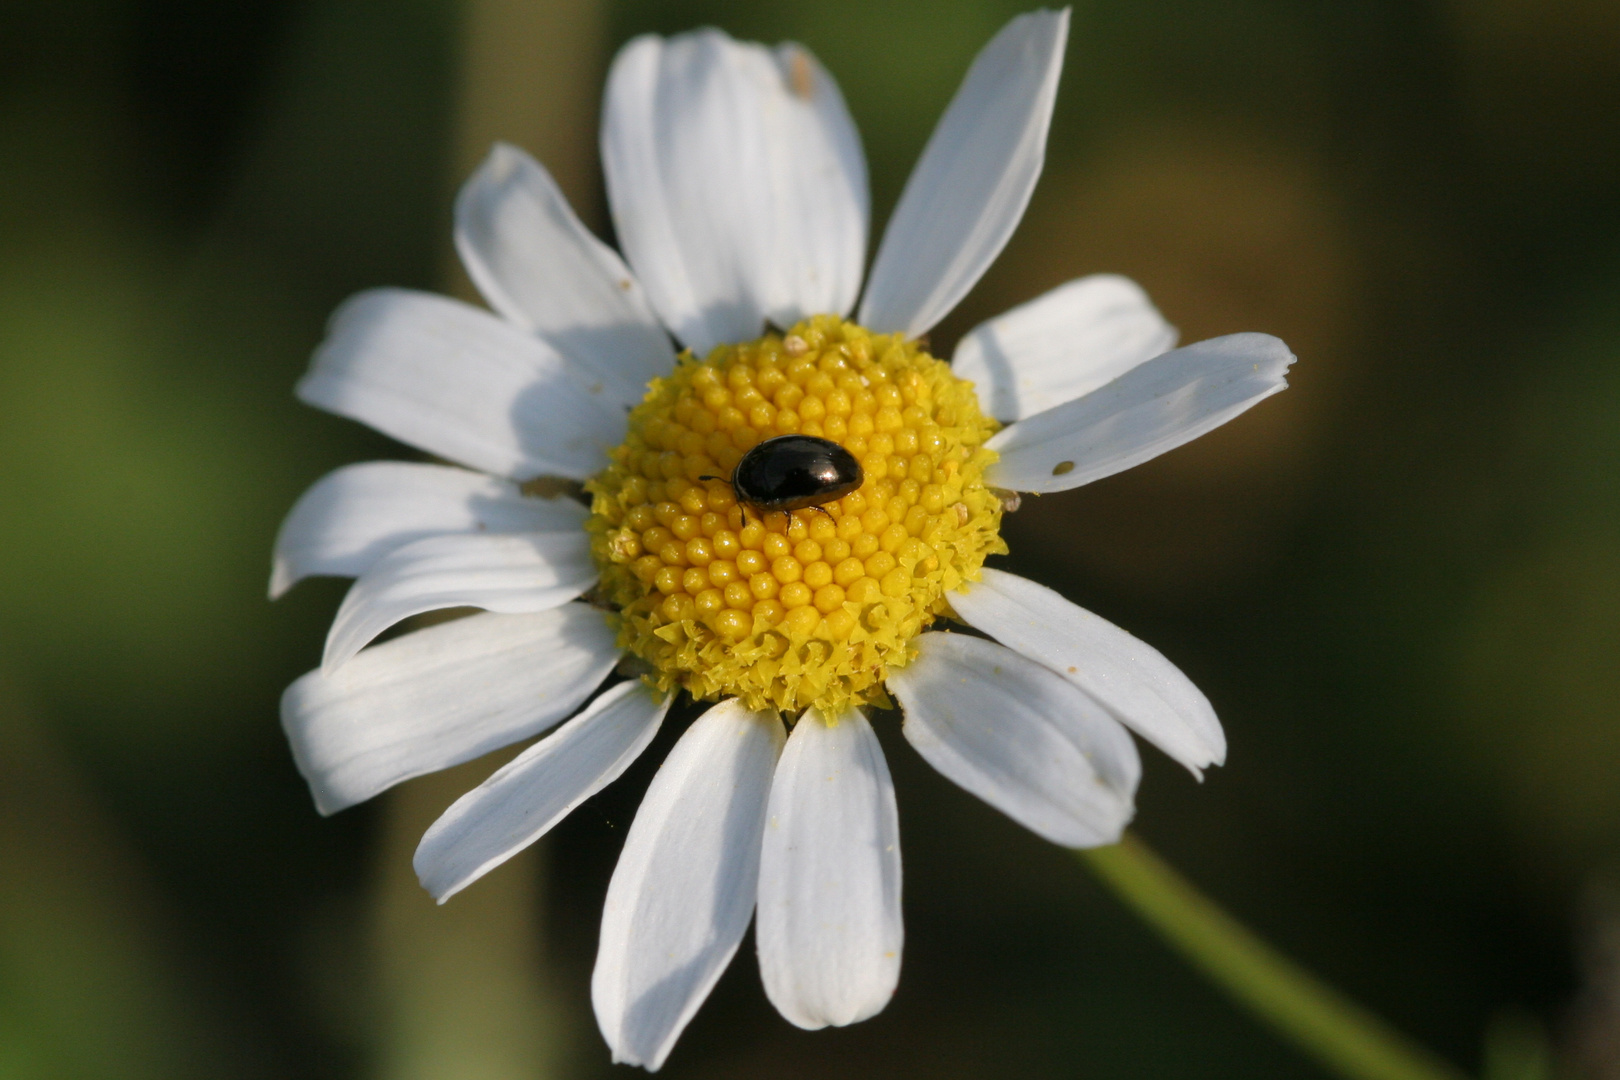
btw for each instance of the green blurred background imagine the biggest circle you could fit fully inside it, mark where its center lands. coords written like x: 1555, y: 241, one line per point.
x: 1399, y: 582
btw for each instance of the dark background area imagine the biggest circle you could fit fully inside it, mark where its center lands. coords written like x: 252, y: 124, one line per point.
x: 1399, y: 582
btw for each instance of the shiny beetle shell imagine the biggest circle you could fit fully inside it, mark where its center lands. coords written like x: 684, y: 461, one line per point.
x: 791, y: 472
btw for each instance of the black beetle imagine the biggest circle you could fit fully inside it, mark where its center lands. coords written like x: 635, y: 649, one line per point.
x: 791, y: 472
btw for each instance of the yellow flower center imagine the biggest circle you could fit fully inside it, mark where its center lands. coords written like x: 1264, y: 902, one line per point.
x: 787, y: 610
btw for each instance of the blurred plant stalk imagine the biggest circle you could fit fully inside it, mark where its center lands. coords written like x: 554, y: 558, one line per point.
x: 1325, y: 1024
x: 463, y: 988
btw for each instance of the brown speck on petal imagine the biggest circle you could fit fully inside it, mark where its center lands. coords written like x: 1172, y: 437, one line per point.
x: 801, y: 77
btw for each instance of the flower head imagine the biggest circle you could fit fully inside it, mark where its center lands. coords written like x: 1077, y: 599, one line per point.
x: 814, y: 606
x: 738, y: 190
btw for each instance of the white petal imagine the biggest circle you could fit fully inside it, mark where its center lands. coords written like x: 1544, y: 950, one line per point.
x: 1061, y: 345
x: 458, y: 382
x: 441, y: 696
x: 353, y: 516
x: 829, y: 927
x: 1154, y: 407
x: 684, y: 888
x: 1020, y: 738
x: 1131, y: 679
x: 736, y: 181
x: 969, y: 190
x: 510, y: 573
x: 538, y: 265
x: 811, y: 262
x: 523, y: 799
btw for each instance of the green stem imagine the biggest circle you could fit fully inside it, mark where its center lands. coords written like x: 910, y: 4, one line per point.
x: 1319, y: 1020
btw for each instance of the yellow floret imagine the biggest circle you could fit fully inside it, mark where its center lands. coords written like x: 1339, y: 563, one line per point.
x: 813, y: 607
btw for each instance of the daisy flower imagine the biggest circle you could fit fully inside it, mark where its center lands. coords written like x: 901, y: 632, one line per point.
x: 739, y: 195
